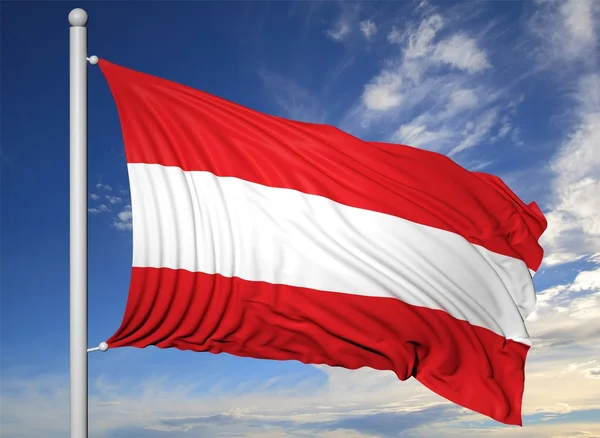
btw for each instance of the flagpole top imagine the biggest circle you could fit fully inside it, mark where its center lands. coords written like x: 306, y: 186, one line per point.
x: 78, y: 17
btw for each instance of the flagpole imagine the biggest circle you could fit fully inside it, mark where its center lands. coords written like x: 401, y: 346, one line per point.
x: 78, y: 223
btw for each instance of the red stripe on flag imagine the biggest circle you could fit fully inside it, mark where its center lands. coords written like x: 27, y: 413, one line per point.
x: 173, y: 125
x: 468, y: 365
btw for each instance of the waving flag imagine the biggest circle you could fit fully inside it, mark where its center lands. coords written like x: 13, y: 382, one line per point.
x: 269, y: 238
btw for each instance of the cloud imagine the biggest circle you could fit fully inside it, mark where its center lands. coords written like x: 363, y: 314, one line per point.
x: 418, y: 135
x: 395, y: 36
x: 592, y: 373
x: 504, y: 130
x: 565, y: 313
x: 113, y: 199
x: 383, y: 93
x: 388, y: 424
x: 123, y: 221
x: 463, y: 53
x: 436, y: 91
x: 579, y: 23
x: 420, y: 42
x: 566, y: 38
x: 340, y: 32
x: 295, y: 101
x: 587, y: 280
x: 100, y: 209
x: 386, y: 91
x: 341, y: 29
x: 463, y: 99
x: 567, y: 31
x: 103, y: 187
x: 475, y: 132
x: 366, y: 424
x: 559, y: 258
x: 168, y: 405
x: 574, y: 216
x: 368, y: 28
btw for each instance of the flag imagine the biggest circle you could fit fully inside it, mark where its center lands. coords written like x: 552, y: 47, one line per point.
x: 264, y: 237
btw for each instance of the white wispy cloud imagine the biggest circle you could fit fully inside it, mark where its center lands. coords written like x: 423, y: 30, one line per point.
x: 103, y: 187
x: 341, y: 29
x: 560, y: 258
x: 463, y: 99
x: 352, y: 25
x: 574, y: 221
x: 384, y: 92
x: 368, y: 28
x: 568, y: 37
x: 461, y: 52
x: 415, y: 133
x: 123, y: 221
x: 475, y: 131
x: 567, y: 30
x: 99, y: 209
x: 419, y: 43
x: 562, y: 304
x: 295, y: 101
x: 395, y: 36
x: 94, y: 197
x: 113, y: 199
x: 438, y: 91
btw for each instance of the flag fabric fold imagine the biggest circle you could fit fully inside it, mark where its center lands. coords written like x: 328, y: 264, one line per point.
x: 264, y: 237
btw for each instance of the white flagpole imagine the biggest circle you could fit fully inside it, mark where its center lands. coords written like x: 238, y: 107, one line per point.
x: 78, y: 223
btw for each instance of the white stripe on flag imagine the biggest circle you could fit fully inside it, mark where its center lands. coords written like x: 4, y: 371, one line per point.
x: 222, y: 225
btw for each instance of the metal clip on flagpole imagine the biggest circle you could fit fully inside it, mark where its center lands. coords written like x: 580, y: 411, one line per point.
x: 103, y: 346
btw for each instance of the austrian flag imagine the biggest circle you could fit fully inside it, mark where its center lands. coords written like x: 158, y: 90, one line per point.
x: 269, y: 238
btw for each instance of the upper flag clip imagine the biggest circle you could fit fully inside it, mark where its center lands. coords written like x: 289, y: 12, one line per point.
x: 93, y: 59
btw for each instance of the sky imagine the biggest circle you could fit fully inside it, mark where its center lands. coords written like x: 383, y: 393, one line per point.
x: 506, y: 87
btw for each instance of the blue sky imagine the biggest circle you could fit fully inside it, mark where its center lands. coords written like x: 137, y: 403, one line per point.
x: 510, y: 88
